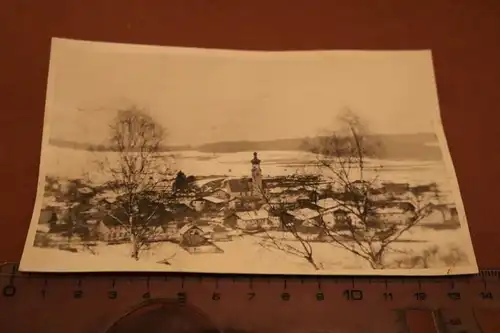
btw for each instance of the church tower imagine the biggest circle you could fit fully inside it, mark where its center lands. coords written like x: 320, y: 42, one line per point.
x: 256, y: 175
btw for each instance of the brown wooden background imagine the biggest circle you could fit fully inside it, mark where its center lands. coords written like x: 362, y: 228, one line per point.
x: 464, y: 36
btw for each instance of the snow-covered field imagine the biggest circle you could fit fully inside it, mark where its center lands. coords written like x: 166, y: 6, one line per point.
x: 69, y: 163
x: 242, y: 255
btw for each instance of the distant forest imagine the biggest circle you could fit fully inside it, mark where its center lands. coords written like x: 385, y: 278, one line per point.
x: 422, y: 146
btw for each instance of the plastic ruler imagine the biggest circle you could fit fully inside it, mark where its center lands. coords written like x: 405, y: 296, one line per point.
x: 81, y: 303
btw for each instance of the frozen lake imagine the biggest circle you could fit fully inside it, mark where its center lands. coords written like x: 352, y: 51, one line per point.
x: 70, y: 163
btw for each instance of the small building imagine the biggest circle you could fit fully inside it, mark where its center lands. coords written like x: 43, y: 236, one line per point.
x: 440, y: 214
x: 239, y: 187
x: 276, y: 190
x: 357, y: 185
x: 198, y: 204
x: 326, y: 204
x: 303, y: 201
x: 342, y: 219
x: 221, y: 193
x: 214, y: 203
x: 304, y: 220
x: 421, y: 189
x: 395, y: 212
x: 248, y: 220
x: 396, y: 189
x: 48, y: 217
x: 245, y: 203
x: 110, y: 231
x: 192, y: 236
x: 378, y: 194
x: 274, y: 223
x: 180, y: 211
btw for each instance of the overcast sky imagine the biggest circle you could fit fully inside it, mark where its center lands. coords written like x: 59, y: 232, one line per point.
x: 212, y: 95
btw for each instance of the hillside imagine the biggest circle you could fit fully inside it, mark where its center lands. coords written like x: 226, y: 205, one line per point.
x: 422, y: 146
x: 92, y: 147
x: 403, y: 146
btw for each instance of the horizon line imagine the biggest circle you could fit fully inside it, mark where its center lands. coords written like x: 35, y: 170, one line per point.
x: 194, y: 145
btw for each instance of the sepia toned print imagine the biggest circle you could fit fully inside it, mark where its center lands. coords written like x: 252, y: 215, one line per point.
x: 197, y: 160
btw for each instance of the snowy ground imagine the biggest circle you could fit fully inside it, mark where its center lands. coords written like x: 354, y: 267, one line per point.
x: 242, y: 255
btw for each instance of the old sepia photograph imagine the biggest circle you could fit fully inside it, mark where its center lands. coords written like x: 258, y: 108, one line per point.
x: 177, y: 159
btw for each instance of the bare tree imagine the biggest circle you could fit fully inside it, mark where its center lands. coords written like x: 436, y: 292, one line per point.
x: 290, y: 239
x: 141, y: 177
x: 356, y: 222
x: 343, y: 158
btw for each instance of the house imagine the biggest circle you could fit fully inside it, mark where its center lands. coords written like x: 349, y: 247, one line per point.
x: 198, y: 204
x: 396, y: 189
x: 395, y: 212
x: 326, y: 204
x: 304, y: 201
x: 274, y: 223
x: 317, y: 194
x: 111, y: 231
x: 191, y: 236
x: 429, y: 188
x: 245, y: 203
x: 378, y: 194
x: 221, y: 193
x: 342, y: 219
x: 357, y: 185
x: 47, y: 218
x: 248, y: 220
x: 180, y: 211
x: 214, y: 203
x: 238, y: 187
x: 304, y: 220
x: 276, y: 190
x: 439, y: 214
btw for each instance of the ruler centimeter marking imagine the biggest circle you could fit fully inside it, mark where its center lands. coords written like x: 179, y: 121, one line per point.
x: 457, y: 296
x: 350, y: 294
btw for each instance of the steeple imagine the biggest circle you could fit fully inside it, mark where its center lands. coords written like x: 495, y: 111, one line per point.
x: 255, y: 160
x: 256, y: 175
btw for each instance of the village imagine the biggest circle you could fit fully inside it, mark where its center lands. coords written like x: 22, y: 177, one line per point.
x: 223, y: 209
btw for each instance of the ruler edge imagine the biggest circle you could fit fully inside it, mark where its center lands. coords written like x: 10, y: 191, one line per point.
x: 11, y: 269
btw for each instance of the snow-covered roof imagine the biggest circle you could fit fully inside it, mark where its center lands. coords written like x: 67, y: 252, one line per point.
x: 185, y: 201
x: 390, y: 210
x: 51, y: 201
x: 85, y: 190
x: 284, y: 200
x: 311, y: 188
x: 187, y: 227
x: 326, y: 203
x: 303, y: 214
x: 43, y: 228
x: 253, y: 215
x: 214, y: 228
x: 213, y: 199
